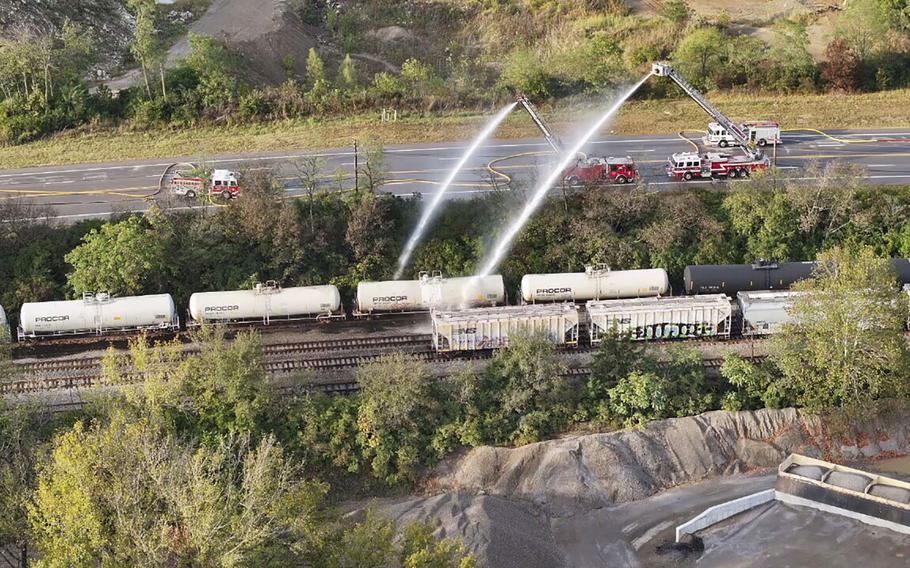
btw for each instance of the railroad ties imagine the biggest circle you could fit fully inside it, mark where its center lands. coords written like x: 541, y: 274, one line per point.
x: 290, y: 361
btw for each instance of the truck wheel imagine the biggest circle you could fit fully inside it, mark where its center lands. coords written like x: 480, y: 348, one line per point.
x: 226, y: 195
x: 744, y: 173
x: 723, y: 143
x: 762, y: 142
x: 574, y: 180
x: 687, y: 176
x: 734, y: 174
x: 621, y: 180
x: 190, y: 194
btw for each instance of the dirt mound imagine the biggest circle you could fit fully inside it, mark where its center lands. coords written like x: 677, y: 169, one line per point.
x: 587, y: 472
x: 497, y: 531
x: 606, y: 499
x: 106, y: 20
x: 262, y: 33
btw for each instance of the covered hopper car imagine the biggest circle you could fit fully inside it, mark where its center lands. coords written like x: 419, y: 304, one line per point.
x: 595, y: 283
x: 764, y: 313
x: 490, y: 328
x: 428, y: 293
x: 660, y: 318
x: 97, y: 314
x: 266, y: 303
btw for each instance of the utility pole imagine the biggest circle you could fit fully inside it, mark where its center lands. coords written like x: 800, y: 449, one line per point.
x: 356, y: 167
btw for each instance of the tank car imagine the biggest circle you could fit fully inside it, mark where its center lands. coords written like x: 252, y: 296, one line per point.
x: 733, y: 278
x: 265, y: 303
x: 427, y: 293
x: 98, y: 314
x: 595, y: 283
x: 680, y: 317
x: 764, y: 313
x: 490, y: 328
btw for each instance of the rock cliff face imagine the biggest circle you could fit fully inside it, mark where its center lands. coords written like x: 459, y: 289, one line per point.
x: 490, y: 497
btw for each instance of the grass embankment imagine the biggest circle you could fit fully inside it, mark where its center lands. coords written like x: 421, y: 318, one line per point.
x: 828, y: 111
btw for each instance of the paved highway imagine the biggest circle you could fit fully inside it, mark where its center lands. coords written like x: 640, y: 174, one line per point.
x: 96, y: 190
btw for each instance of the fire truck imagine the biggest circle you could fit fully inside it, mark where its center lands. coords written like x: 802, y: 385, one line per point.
x: 760, y: 133
x: 587, y: 169
x: 691, y: 165
x: 223, y: 184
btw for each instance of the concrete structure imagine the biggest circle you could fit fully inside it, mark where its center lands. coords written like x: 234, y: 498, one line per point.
x: 807, y: 482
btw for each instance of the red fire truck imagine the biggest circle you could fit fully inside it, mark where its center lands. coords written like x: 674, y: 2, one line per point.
x: 223, y: 184
x: 690, y: 165
x: 592, y: 170
x: 586, y: 169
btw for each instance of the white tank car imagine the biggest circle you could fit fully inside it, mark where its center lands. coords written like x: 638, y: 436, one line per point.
x: 707, y: 315
x: 490, y: 328
x: 595, y: 283
x: 99, y: 314
x: 266, y: 303
x: 429, y: 292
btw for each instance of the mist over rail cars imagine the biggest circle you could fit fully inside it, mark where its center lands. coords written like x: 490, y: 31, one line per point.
x: 266, y: 304
x: 761, y: 275
x: 595, y: 283
x: 661, y: 318
x: 429, y: 293
x: 479, y: 329
x: 97, y: 314
x: 764, y: 313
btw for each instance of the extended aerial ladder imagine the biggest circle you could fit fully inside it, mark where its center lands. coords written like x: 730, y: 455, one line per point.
x: 664, y: 70
x: 552, y: 139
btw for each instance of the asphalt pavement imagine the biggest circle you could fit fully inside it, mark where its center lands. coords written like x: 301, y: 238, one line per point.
x: 77, y: 192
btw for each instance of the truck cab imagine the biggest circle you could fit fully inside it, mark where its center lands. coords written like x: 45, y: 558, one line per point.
x: 225, y: 184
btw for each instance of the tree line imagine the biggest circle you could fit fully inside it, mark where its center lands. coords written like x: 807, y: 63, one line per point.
x: 543, y: 51
x: 333, y: 235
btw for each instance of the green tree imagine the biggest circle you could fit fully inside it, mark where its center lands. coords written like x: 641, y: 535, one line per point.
x: 754, y: 385
x: 398, y: 415
x: 146, y: 47
x: 520, y: 397
x: 120, y: 258
x: 223, y: 390
x: 420, y: 549
x: 315, y: 68
x: 122, y: 494
x: 845, y: 345
x: 674, y: 385
x: 348, y: 72
x: 701, y: 56
x: 677, y: 11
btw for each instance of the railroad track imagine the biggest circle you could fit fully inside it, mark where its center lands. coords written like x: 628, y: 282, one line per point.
x: 280, y: 360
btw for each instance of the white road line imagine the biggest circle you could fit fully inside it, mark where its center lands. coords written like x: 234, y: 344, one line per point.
x: 882, y: 165
x: 839, y: 145
x: 406, y: 151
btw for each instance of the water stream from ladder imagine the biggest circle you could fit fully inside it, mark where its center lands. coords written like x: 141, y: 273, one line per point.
x: 567, y: 159
x: 433, y: 205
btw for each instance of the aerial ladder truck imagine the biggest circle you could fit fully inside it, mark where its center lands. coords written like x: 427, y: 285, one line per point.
x: 587, y: 169
x: 692, y: 165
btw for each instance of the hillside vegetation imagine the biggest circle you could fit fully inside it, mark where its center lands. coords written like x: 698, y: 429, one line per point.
x: 429, y: 56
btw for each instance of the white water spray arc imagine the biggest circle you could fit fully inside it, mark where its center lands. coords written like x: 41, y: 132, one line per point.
x: 537, y: 198
x: 437, y: 197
